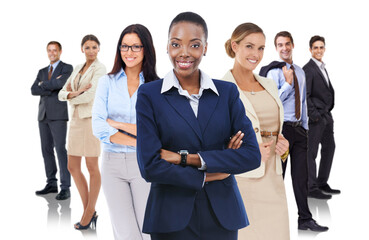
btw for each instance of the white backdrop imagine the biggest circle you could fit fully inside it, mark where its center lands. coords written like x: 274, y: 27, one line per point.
x: 27, y: 26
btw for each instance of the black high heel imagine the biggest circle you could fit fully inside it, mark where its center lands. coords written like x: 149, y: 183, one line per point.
x: 92, y: 223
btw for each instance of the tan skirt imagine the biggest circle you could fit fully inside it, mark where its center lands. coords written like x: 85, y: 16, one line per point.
x: 81, y: 141
x: 266, y: 206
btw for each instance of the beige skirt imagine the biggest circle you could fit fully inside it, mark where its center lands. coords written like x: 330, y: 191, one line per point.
x: 266, y: 206
x: 81, y: 141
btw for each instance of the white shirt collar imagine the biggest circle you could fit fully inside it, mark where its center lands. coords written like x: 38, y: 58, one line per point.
x: 320, y: 64
x: 170, y: 80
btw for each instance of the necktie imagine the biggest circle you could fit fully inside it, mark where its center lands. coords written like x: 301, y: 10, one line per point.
x: 297, y: 94
x: 50, y: 72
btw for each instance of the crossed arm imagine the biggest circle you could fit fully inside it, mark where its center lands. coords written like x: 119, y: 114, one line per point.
x: 194, y: 159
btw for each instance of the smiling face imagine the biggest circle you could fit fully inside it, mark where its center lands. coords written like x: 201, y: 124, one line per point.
x: 91, y: 49
x: 250, y: 51
x: 130, y: 58
x: 284, y: 47
x: 317, y: 50
x: 53, y: 53
x: 186, y: 46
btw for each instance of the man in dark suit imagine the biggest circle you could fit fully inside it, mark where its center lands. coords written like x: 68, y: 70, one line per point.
x: 290, y: 80
x: 320, y: 102
x: 53, y: 117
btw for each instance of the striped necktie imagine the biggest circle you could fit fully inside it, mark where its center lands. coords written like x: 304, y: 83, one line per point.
x: 50, y: 72
x: 297, y: 94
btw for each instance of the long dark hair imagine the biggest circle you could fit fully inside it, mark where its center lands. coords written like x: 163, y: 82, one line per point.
x: 149, y: 60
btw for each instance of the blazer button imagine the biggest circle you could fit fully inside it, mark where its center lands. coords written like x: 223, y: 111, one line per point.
x: 256, y: 130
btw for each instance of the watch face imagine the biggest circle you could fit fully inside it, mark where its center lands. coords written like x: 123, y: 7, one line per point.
x: 183, y: 152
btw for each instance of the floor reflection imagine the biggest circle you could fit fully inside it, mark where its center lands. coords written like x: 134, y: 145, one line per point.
x: 59, y: 215
x: 308, y: 234
x: 89, y: 233
x: 320, y: 210
x: 58, y: 212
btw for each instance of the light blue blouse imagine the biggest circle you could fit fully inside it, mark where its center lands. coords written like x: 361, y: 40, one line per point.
x: 112, y: 101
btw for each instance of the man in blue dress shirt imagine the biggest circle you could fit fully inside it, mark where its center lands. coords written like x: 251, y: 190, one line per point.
x: 290, y: 80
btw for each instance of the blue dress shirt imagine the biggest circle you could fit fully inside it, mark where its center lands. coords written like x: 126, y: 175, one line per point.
x: 287, y: 93
x: 112, y: 101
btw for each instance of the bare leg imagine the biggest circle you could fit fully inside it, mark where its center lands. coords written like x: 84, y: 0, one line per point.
x: 95, y: 184
x: 74, y: 167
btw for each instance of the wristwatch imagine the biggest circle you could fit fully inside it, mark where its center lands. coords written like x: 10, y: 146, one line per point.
x: 183, y: 154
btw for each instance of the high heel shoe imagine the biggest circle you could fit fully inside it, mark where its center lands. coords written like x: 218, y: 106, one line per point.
x: 92, y: 223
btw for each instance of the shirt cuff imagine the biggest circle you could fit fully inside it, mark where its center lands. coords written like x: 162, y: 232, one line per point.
x: 203, y: 164
x: 106, y: 138
x: 286, y: 87
x: 203, y: 183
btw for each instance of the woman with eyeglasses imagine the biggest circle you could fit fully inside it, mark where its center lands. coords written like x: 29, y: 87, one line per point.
x: 114, y: 123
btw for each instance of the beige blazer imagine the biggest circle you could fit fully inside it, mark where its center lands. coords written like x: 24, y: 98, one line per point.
x: 271, y: 88
x: 85, y: 101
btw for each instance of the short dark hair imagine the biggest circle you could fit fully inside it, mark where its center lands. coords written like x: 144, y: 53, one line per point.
x: 90, y: 37
x: 192, y: 18
x: 315, y: 38
x: 149, y: 60
x: 55, y: 43
x: 283, y: 34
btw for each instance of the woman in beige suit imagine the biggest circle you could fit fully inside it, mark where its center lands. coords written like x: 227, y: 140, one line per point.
x: 262, y: 189
x: 79, y: 90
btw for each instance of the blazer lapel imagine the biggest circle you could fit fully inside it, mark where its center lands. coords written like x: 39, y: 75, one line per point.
x: 183, y: 108
x: 57, y: 70
x: 248, y: 106
x: 266, y: 85
x: 55, y: 73
x: 329, y: 80
x: 207, y: 105
x: 73, y: 76
x: 315, y: 66
x: 88, y: 72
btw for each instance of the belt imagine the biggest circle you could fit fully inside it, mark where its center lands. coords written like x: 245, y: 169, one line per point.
x: 294, y: 124
x: 268, y: 134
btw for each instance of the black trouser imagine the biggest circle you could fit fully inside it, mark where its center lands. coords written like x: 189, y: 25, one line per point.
x: 53, y: 134
x: 297, y: 137
x: 320, y: 132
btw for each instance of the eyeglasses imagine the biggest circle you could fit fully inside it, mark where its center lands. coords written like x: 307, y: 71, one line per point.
x: 134, y: 48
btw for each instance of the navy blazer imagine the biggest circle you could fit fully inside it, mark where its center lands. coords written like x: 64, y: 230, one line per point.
x: 167, y: 121
x: 50, y: 105
x: 319, y: 94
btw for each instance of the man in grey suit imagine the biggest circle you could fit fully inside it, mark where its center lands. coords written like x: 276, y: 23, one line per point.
x: 320, y: 102
x: 52, y: 120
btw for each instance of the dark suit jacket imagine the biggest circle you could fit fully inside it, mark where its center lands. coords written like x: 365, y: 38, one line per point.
x: 275, y: 64
x: 167, y: 121
x: 319, y: 94
x: 50, y: 105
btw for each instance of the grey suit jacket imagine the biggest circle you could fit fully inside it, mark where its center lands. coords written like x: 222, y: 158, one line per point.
x: 50, y: 107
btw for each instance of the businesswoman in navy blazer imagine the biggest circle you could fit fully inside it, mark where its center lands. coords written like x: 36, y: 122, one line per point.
x: 193, y: 194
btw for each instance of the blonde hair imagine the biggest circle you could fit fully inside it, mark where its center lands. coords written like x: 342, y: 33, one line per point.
x: 242, y: 31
